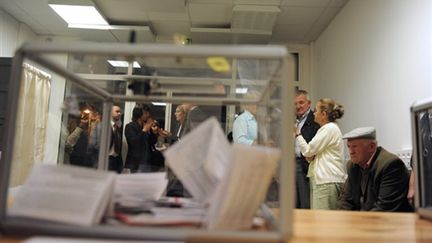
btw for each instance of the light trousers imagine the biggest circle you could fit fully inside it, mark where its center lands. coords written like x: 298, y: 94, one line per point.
x: 324, y: 196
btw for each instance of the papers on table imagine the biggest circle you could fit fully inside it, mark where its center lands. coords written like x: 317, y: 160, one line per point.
x: 233, y: 180
x: 166, y: 217
x: 243, y: 187
x: 199, y: 159
x: 65, y: 194
x: 135, y: 189
x: 81, y: 196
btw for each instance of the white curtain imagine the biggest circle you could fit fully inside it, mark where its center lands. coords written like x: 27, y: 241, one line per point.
x: 30, y: 128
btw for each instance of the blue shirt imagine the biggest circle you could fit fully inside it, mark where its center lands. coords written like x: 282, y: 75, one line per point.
x: 245, y: 128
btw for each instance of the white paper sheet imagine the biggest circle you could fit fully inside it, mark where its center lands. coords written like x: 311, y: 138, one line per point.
x: 140, y: 186
x: 200, y: 158
x: 243, y: 188
x: 67, y: 194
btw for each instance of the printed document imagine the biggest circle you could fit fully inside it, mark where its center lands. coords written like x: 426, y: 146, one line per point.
x: 68, y: 194
x: 199, y: 160
x: 243, y: 188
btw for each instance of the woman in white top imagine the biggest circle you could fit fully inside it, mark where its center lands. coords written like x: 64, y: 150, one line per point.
x: 325, y: 153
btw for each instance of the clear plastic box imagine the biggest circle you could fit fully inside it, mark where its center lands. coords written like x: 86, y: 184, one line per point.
x: 219, y: 79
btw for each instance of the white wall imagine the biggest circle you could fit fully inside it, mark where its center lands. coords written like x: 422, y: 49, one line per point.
x: 12, y: 34
x: 374, y: 58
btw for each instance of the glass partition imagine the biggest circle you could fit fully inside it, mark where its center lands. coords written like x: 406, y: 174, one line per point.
x: 165, y: 95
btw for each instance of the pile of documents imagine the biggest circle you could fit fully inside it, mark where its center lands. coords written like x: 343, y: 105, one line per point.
x: 231, y: 179
x: 228, y: 184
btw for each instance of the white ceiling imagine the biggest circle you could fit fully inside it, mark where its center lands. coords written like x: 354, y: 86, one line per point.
x: 204, y: 21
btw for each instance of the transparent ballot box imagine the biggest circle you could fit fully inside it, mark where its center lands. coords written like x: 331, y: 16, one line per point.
x: 155, y: 141
x: 421, y: 120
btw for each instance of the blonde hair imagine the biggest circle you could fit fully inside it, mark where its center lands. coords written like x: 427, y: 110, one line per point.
x: 333, y: 110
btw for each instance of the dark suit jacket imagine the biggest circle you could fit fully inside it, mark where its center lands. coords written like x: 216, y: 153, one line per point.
x: 385, y: 185
x: 308, y: 131
x: 138, y: 145
x: 193, y: 119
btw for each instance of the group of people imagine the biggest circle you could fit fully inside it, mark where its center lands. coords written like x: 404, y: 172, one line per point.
x: 143, y: 135
x: 372, y: 180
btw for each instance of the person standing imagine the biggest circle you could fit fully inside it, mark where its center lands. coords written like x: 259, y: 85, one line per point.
x: 175, y: 188
x: 115, y: 161
x: 325, y: 152
x: 308, y: 128
x: 193, y: 118
x: 137, y: 133
x: 77, y: 142
x: 245, y: 127
x: 180, y: 116
x: 377, y: 179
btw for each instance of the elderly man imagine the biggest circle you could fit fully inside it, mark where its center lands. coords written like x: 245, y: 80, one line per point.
x: 308, y: 127
x: 377, y: 179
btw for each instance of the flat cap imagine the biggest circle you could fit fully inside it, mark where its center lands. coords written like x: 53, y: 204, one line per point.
x: 361, y: 132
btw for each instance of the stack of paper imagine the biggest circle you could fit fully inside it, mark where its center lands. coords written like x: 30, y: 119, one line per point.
x: 233, y: 180
x: 135, y: 189
x: 199, y: 160
x: 65, y: 194
x: 166, y: 217
x: 243, y: 188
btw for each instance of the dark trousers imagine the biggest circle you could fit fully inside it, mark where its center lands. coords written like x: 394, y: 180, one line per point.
x: 302, y: 184
x: 115, y: 163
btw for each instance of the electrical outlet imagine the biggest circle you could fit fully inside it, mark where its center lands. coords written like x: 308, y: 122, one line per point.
x: 405, y: 156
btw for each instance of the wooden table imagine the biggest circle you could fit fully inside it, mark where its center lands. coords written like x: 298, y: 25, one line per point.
x: 365, y: 227
x: 351, y: 227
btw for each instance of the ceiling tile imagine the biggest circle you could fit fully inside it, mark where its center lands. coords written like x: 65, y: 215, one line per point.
x: 163, y: 16
x: 305, y: 3
x: 143, y: 5
x: 210, y: 14
x: 293, y: 32
x: 167, y: 29
x: 115, y: 11
x: 298, y: 16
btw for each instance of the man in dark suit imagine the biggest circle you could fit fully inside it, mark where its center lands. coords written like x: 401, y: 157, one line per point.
x: 377, y: 179
x: 115, y: 161
x: 308, y: 128
x: 137, y: 134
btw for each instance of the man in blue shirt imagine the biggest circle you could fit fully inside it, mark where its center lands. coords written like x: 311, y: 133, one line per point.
x: 245, y: 128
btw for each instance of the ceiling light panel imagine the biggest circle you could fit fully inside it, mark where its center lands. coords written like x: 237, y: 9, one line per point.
x: 78, y: 12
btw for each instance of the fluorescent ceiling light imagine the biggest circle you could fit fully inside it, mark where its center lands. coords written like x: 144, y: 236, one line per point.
x: 158, y: 104
x: 78, y: 12
x: 90, y: 26
x: 241, y: 90
x: 116, y: 63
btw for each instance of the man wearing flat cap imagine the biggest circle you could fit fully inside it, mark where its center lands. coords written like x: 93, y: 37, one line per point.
x: 377, y: 179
